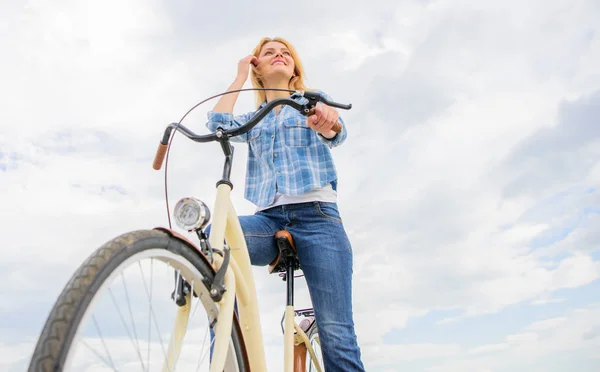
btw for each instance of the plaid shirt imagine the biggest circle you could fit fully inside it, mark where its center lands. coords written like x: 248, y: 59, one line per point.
x: 284, y: 154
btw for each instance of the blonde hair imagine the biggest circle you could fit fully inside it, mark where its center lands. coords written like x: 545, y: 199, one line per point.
x: 296, y: 82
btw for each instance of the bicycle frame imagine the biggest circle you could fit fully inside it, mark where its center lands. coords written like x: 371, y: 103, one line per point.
x: 238, y: 281
x: 240, y: 285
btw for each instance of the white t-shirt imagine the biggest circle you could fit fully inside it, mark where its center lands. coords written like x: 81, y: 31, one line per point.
x: 324, y: 194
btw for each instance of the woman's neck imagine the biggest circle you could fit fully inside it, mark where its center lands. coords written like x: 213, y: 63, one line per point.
x: 274, y: 94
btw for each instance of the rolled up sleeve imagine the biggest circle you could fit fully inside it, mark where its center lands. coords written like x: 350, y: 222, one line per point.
x: 227, y: 121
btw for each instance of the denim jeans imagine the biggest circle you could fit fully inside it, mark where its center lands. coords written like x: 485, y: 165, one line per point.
x: 325, y: 255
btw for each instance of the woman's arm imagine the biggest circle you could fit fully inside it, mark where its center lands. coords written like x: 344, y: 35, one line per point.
x: 222, y: 114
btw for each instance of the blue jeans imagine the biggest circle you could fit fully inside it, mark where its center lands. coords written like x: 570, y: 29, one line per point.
x: 325, y: 255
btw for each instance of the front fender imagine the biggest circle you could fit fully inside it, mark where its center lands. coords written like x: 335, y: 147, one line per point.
x: 185, y: 240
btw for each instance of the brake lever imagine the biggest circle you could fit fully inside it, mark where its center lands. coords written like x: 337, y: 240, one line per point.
x: 314, y: 98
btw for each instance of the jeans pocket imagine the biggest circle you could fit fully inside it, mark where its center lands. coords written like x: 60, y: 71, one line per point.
x: 328, y: 210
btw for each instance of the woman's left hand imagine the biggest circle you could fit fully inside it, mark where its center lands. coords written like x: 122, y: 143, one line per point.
x: 323, y: 119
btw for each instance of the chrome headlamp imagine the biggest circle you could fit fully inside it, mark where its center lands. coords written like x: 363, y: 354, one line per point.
x: 191, y: 214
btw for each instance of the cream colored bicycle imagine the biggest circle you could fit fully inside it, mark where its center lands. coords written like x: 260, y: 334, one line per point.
x: 214, y: 275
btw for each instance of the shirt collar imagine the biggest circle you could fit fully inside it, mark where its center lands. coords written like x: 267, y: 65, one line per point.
x: 296, y: 96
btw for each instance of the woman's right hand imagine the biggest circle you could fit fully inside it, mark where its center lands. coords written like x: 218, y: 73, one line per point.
x: 227, y: 101
x: 244, y: 66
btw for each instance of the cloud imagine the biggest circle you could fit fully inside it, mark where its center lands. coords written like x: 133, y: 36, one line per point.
x: 488, y: 348
x: 560, y: 155
x: 546, y: 324
x: 468, y: 183
x: 548, y: 345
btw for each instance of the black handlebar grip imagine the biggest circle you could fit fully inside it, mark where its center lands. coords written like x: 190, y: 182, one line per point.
x: 335, y: 104
x: 339, y: 105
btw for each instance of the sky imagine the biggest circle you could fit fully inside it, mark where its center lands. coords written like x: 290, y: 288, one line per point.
x: 469, y: 184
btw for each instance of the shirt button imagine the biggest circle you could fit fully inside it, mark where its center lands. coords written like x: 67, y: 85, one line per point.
x: 278, y: 172
x: 272, y: 136
x: 275, y: 155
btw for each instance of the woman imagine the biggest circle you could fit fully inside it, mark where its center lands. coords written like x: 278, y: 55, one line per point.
x: 292, y: 180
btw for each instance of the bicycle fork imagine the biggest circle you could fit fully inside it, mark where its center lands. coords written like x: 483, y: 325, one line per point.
x: 182, y: 296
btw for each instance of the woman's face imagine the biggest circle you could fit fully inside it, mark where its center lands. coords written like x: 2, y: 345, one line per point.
x: 275, y: 61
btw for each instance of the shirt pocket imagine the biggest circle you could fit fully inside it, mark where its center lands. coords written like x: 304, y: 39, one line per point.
x: 297, y: 133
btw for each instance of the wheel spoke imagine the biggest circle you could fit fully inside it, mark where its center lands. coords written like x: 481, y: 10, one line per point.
x: 112, y: 364
x: 108, y: 363
x: 123, y: 321
x: 153, y: 317
x: 137, y: 343
x: 149, y: 301
x: 207, y: 352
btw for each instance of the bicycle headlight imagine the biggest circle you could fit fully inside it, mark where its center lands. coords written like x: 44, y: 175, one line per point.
x: 191, y: 214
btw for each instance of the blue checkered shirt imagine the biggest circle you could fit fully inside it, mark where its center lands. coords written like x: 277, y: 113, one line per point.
x: 284, y: 154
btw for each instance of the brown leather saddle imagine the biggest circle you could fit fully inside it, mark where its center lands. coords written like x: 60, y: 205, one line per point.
x: 287, y: 254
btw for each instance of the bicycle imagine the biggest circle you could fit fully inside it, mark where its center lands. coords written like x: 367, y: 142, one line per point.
x: 217, y: 273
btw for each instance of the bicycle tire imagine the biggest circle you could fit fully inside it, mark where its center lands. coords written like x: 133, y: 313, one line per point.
x: 60, y: 327
x: 313, y: 332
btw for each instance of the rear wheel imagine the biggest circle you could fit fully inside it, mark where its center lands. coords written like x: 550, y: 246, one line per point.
x: 315, y: 342
x: 114, y: 279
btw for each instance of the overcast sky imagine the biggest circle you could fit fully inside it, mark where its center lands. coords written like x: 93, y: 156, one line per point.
x: 469, y: 183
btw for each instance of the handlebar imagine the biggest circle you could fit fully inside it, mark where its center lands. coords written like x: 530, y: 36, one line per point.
x: 306, y: 109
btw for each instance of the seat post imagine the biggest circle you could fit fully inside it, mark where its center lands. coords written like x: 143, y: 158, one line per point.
x: 290, y: 282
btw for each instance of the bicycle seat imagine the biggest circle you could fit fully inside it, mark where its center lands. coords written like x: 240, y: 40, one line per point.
x: 287, y: 255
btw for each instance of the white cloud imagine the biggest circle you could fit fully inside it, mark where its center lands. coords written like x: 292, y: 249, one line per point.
x: 521, y: 338
x: 394, y: 355
x: 537, y: 347
x: 547, y: 301
x: 546, y: 324
x: 488, y: 348
x: 468, y: 120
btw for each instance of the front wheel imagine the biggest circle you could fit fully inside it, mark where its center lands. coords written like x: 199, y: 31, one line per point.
x: 97, y: 322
